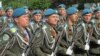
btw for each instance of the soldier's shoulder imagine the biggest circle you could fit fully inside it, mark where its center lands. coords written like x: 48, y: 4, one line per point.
x: 10, y: 30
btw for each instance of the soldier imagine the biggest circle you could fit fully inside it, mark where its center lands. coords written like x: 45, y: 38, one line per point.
x: 2, y: 20
x: 6, y: 21
x: 49, y: 32
x: 18, y: 35
x: 9, y: 12
x: 65, y: 48
x: 95, y: 41
x: 36, y: 19
x: 82, y: 44
x: 62, y: 13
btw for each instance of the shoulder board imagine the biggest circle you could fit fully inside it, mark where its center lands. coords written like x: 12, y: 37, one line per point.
x: 93, y: 21
x: 83, y: 25
x: 10, y: 25
x: 44, y: 27
x: 31, y: 23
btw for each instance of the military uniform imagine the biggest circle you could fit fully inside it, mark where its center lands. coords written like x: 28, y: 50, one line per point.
x: 48, y: 34
x: 67, y: 36
x: 4, y: 39
x: 84, y: 36
x: 37, y: 42
x: 94, y: 45
x: 17, y: 35
x: 34, y: 25
x: 49, y: 39
x: 83, y: 39
x: 67, y: 40
x: 20, y: 40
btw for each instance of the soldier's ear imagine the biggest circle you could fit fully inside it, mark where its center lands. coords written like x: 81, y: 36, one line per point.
x: 16, y: 19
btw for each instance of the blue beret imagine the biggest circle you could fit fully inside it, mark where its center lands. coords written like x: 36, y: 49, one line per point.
x: 61, y: 6
x: 18, y: 12
x: 71, y: 10
x: 97, y: 9
x: 36, y: 12
x: 49, y: 12
x: 86, y: 11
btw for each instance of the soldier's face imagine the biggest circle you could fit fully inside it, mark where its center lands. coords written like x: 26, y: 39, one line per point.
x: 62, y: 11
x: 37, y: 17
x: 87, y: 17
x: 53, y: 19
x: 9, y: 13
x: 22, y: 21
x: 97, y: 15
x: 74, y: 17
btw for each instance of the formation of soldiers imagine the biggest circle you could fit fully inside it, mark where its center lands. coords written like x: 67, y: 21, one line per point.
x: 50, y: 32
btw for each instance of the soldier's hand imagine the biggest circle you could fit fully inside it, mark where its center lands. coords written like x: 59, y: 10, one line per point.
x: 98, y: 42
x: 87, y: 47
x: 69, y: 51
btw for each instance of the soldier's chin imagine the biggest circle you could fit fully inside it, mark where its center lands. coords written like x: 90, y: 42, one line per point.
x: 87, y: 21
x: 26, y: 25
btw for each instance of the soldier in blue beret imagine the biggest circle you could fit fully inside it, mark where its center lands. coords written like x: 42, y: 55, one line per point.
x: 36, y: 19
x: 9, y: 12
x: 95, y: 41
x: 48, y: 32
x: 65, y: 48
x: 83, y: 47
x: 62, y: 13
x: 17, y: 36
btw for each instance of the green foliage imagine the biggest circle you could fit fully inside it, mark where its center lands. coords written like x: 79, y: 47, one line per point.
x: 39, y: 4
x: 42, y: 4
x: 34, y: 4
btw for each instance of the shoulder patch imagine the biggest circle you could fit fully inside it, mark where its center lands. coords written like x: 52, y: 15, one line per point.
x: 5, y: 37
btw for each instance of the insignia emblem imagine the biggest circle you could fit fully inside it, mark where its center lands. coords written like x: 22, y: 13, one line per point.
x: 13, y: 30
x: 5, y: 37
